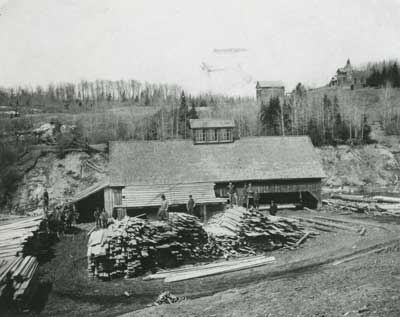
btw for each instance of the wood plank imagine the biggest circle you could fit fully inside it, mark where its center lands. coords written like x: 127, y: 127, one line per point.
x: 219, y: 270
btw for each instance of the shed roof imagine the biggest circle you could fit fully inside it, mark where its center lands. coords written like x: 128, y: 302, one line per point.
x: 180, y: 161
x: 211, y: 123
x: 90, y: 191
x: 270, y: 84
x: 176, y: 194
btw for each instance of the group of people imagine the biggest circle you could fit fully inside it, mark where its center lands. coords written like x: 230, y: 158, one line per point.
x: 60, y: 219
x: 101, y: 218
x: 162, y: 213
x: 247, y: 197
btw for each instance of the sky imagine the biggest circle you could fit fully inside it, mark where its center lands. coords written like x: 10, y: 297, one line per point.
x: 45, y: 41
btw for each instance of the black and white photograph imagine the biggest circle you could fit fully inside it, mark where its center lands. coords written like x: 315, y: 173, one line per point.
x: 199, y: 158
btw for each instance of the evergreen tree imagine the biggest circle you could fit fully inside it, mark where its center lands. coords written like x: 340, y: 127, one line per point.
x: 192, y: 114
x: 183, y: 116
x: 270, y: 117
x: 395, y: 75
x: 287, y: 118
x: 366, y: 130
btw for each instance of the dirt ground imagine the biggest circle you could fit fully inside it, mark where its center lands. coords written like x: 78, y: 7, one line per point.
x: 304, y: 275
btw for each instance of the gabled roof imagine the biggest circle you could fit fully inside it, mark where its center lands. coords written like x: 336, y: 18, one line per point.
x: 180, y: 161
x: 270, y: 84
x: 211, y: 123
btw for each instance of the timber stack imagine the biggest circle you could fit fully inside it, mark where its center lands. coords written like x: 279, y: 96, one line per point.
x: 18, y: 279
x: 247, y: 231
x: 133, y: 246
x: 375, y: 205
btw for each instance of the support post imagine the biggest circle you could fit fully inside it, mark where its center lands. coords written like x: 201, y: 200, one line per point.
x: 204, y: 213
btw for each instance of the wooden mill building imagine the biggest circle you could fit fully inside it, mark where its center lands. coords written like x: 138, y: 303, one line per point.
x: 279, y: 168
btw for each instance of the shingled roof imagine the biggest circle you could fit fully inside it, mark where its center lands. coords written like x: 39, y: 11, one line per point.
x: 270, y: 84
x: 180, y: 161
x: 211, y: 123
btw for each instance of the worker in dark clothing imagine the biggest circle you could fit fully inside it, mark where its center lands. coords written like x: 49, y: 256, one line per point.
x: 163, y: 210
x: 96, y: 216
x: 273, y: 208
x: 250, y: 196
x: 231, y: 193
x: 244, y: 196
x: 46, y: 209
x: 46, y: 202
x: 104, y: 219
x: 191, y: 204
x: 256, y: 199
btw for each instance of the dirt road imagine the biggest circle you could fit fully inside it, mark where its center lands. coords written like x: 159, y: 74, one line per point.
x: 301, y: 274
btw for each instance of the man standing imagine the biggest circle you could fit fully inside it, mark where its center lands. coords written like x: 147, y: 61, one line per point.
x: 46, y: 202
x: 96, y: 216
x: 163, y: 211
x: 191, y: 204
x: 231, y: 193
x: 250, y: 196
x: 104, y: 219
x: 273, y: 208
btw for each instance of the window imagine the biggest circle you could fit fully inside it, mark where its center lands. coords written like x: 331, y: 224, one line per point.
x: 224, y: 135
x: 211, y: 135
x: 203, y: 135
x: 229, y: 134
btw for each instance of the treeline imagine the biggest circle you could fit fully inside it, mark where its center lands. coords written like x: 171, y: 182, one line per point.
x: 325, y: 120
x: 89, y: 94
x: 383, y: 74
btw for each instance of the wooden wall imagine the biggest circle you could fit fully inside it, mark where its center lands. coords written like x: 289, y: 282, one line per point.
x: 112, y: 197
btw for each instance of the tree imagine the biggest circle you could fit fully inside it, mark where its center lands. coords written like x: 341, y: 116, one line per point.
x: 270, y: 117
x: 183, y: 116
x: 366, y: 130
x: 192, y: 114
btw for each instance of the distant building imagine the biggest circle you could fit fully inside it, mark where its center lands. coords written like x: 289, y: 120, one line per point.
x: 212, y: 131
x: 348, y: 77
x: 266, y: 90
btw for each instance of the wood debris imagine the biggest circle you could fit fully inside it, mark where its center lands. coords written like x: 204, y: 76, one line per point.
x: 376, y: 205
x: 168, y: 298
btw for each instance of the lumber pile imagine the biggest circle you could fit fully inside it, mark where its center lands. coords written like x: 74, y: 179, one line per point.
x: 18, y: 279
x: 203, y: 270
x: 250, y: 231
x: 15, y: 235
x: 376, y: 205
x: 133, y: 246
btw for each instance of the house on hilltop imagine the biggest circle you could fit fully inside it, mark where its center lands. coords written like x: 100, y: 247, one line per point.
x: 348, y: 77
x: 265, y: 90
x: 280, y: 169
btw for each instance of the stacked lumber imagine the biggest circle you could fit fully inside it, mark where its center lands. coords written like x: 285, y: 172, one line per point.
x: 18, y: 278
x: 251, y: 231
x: 203, y: 270
x: 133, y: 246
x: 14, y: 236
x: 376, y: 205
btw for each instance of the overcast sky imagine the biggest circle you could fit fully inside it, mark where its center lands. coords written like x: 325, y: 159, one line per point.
x: 44, y: 41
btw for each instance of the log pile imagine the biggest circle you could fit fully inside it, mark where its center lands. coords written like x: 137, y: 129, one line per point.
x: 203, y: 270
x: 242, y: 231
x: 22, y: 244
x: 132, y: 246
x: 18, y: 279
x: 376, y: 205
